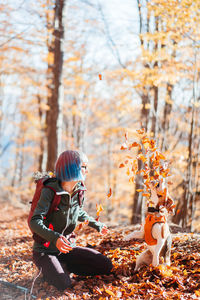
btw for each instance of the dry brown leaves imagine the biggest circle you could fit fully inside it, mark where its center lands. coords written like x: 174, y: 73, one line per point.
x: 180, y: 281
x: 148, y: 163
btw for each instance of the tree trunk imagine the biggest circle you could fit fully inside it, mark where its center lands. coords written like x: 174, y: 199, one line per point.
x: 154, y: 113
x: 166, y: 115
x: 54, y: 72
x: 41, y: 142
x: 188, y: 193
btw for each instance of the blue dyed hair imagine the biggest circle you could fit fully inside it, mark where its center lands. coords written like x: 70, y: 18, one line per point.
x: 68, y: 166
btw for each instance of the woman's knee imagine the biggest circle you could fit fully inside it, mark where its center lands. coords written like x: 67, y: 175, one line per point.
x: 106, y: 264
x: 103, y: 264
x: 61, y: 281
x: 53, y: 271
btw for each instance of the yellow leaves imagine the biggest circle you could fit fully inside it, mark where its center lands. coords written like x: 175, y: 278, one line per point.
x: 79, y: 81
x: 109, y: 292
x: 185, y: 273
x: 135, y: 166
x: 50, y: 58
x: 44, y: 106
x: 131, y: 179
x: 72, y: 59
x: 159, y: 155
x: 141, y: 131
x: 141, y: 157
x: 146, y: 195
x: 197, y: 293
x: 153, y: 168
x: 165, y: 271
x: 175, y: 255
x: 18, y: 49
x: 99, y: 209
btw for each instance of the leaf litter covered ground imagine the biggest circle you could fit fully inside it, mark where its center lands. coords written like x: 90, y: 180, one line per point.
x: 179, y: 281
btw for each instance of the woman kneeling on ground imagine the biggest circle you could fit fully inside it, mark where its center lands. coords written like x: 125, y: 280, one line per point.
x: 58, y: 256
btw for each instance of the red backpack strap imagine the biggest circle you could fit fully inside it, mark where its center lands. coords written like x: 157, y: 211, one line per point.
x: 55, y: 202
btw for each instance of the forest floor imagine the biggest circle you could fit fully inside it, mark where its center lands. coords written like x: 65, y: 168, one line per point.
x: 179, y: 281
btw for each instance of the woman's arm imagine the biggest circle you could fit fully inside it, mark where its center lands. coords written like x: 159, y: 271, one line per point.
x: 37, y: 221
x: 83, y: 216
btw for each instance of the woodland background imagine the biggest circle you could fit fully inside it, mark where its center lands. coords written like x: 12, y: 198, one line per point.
x: 80, y: 74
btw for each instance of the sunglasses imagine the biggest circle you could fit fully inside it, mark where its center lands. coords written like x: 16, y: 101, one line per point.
x: 84, y: 167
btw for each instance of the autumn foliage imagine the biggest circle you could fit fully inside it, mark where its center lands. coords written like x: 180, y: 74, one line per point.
x: 154, y: 170
x: 179, y: 281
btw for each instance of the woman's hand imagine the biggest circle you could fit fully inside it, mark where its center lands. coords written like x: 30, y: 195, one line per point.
x: 104, y: 230
x: 63, y: 244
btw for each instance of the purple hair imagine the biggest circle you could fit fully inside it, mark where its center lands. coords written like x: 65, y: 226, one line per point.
x: 68, y: 166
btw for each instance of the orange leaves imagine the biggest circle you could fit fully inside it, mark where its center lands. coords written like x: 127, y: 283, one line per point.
x: 141, y: 157
x: 99, y: 208
x: 134, y: 145
x: 165, y: 270
x: 178, y: 281
x: 149, y: 162
x: 141, y: 131
x: 124, y: 146
x: 109, y: 193
x: 121, y: 165
x: 146, y: 195
x: 162, y: 193
x: 135, y: 166
x: 109, y: 292
x: 81, y: 225
x: 100, y: 77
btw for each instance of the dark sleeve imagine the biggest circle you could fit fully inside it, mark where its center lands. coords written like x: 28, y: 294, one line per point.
x: 37, y: 221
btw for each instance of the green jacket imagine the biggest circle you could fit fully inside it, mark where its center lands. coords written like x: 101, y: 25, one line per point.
x: 63, y: 220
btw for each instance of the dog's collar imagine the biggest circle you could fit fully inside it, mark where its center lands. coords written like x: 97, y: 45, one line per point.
x: 152, y: 209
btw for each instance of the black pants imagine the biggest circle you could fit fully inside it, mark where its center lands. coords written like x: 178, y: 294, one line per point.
x: 80, y: 261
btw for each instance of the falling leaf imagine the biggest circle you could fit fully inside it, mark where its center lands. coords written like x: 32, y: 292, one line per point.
x: 121, y: 165
x: 124, y: 146
x: 109, y: 193
x: 142, y: 157
x: 100, y: 77
x: 141, y: 131
x: 99, y: 209
x: 126, y: 136
x: 134, y: 145
x: 146, y: 195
